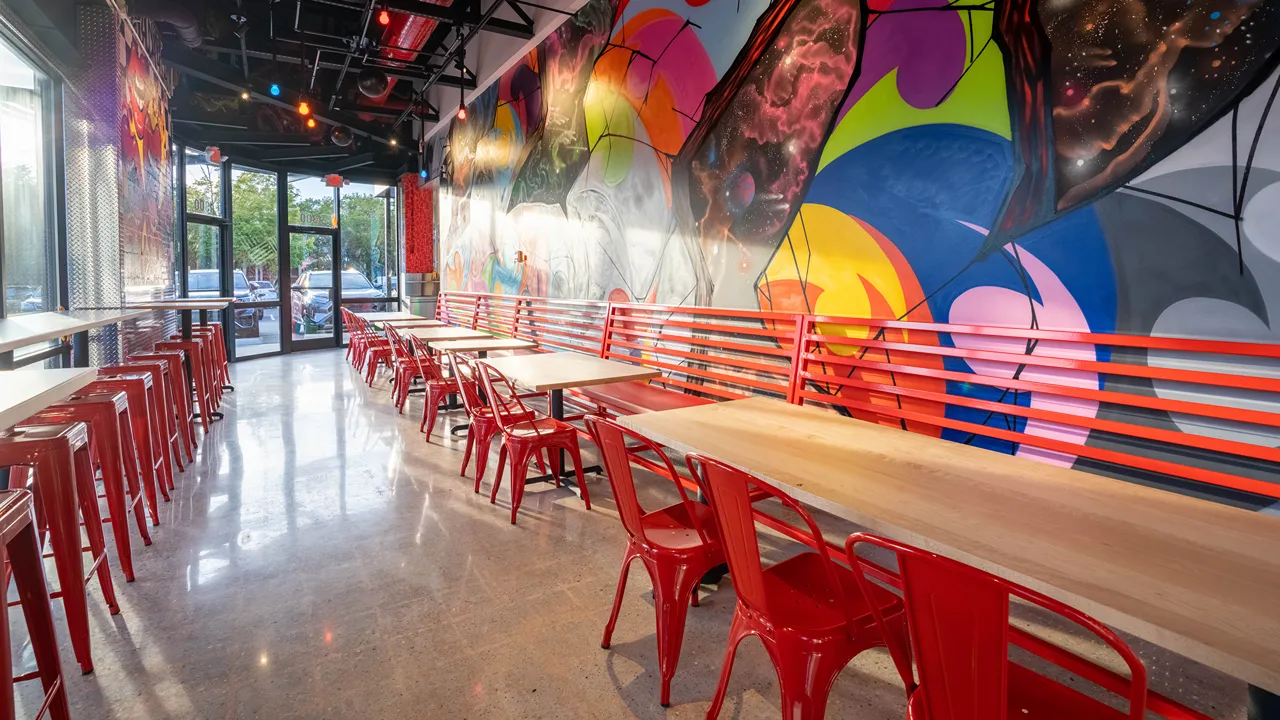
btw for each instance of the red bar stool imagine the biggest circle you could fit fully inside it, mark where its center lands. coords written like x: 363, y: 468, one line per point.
x: 63, y: 482
x: 157, y: 411
x: 213, y: 369
x: 807, y: 610
x: 525, y: 435
x: 198, y: 372
x: 20, y: 547
x: 137, y: 387
x: 219, y: 348
x: 677, y: 544
x: 180, y: 398
x: 100, y: 413
x: 167, y: 410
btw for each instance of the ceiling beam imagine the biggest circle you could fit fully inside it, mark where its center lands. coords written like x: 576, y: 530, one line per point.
x: 320, y: 152
x: 219, y: 136
x: 430, y: 115
x: 400, y: 71
x: 210, y: 70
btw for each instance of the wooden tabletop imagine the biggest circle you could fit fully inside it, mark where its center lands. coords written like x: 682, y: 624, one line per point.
x: 560, y: 370
x: 24, y: 393
x: 412, y: 323
x: 446, y: 333
x: 1199, y: 578
x: 183, y: 304
x: 20, y: 331
x: 481, y: 345
x: 389, y: 315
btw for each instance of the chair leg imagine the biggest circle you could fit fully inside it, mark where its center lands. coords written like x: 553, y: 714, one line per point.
x: 466, y: 458
x: 115, y: 504
x: 576, y: 455
x: 88, y: 496
x: 483, y: 443
x: 519, y: 472
x: 672, y: 584
x: 607, y: 639
x: 58, y: 498
x: 6, y: 656
x: 497, y: 478
x: 430, y: 412
x: 737, y: 631
x: 132, y: 469
x: 805, y: 679
x: 33, y: 593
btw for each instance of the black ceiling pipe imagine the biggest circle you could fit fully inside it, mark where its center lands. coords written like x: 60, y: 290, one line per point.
x: 174, y: 14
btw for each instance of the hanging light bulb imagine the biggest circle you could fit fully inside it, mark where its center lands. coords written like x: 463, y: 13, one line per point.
x: 462, y: 112
x: 422, y: 173
x: 244, y: 95
x: 384, y: 18
x: 394, y: 142
x: 274, y: 90
x: 304, y: 108
x: 311, y: 122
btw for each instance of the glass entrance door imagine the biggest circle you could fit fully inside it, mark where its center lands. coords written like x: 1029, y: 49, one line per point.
x: 255, y: 275
x: 314, y: 290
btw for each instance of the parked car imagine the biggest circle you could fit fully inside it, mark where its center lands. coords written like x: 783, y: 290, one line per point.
x: 206, y: 284
x: 15, y: 297
x: 35, y: 303
x: 263, y: 290
x: 311, y: 303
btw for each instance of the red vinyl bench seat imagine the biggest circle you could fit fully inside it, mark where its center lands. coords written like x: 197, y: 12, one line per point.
x: 634, y: 398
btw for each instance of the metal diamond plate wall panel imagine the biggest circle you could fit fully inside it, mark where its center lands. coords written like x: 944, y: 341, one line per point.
x: 91, y: 122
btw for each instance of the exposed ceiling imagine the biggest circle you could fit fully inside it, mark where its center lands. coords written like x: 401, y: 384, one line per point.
x: 384, y: 86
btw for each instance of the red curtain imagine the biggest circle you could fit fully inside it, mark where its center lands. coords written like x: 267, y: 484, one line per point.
x: 419, y: 225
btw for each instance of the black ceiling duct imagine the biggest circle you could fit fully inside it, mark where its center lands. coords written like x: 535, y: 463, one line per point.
x: 174, y: 14
x: 372, y: 82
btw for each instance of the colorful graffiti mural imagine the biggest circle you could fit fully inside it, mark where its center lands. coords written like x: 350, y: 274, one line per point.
x: 1017, y: 163
x: 146, y: 192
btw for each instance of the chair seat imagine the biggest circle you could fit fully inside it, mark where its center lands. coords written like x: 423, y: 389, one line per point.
x: 539, y: 426
x: 672, y: 528
x: 633, y: 398
x: 798, y: 589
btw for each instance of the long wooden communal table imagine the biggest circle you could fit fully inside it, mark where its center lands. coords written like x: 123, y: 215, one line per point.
x: 1196, y: 577
x: 382, y: 316
x: 20, y: 331
x: 481, y: 346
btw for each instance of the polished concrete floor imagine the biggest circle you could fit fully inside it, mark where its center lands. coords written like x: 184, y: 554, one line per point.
x: 321, y: 560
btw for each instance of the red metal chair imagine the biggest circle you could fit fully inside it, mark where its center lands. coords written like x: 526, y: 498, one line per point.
x: 525, y: 435
x: 483, y: 426
x: 405, y: 368
x: 20, y: 547
x: 438, y: 386
x: 957, y: 638
x: 677, y: 544
x: 808, y: 611
x: 64, y: 495
x: 179, y: 397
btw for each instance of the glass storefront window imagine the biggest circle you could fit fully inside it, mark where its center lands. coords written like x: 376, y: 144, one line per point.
x: 311, y: 202
x: 204, y: 184
x: 30, y: 260
x: 368, y: 250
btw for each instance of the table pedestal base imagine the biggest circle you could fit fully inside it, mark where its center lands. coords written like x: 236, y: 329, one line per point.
x: 1263, y: 705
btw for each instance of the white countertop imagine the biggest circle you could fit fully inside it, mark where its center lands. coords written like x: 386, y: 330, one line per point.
x: 24, y: 393
x: 23, y: 330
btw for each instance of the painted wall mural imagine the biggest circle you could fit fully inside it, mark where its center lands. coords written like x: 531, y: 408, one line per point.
x: 146, y: 191
x: 1100, y: 166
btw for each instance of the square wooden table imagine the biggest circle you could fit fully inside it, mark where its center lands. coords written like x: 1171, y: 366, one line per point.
x: 554, y: 372
x: 376, y: 317
x: 414, y: 323
x: 481, y: 346
x: 1194, y: 576
x: 427, y: 334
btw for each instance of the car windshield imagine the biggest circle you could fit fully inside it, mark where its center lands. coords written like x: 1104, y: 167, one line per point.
x: 202, y: 280
x: 355, y: 281
x: 242, y: 283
